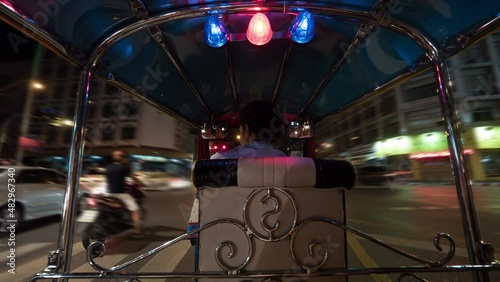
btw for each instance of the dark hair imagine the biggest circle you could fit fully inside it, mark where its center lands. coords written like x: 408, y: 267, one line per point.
x: 123, y: 154
x: 264, y: 120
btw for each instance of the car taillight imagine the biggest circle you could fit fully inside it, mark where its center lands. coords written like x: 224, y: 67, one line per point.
x: 91, y: 202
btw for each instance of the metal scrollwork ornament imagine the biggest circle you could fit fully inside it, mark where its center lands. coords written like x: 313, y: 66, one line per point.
x: 270, y: 231
x: 318, y: 253
x: 232, y: 252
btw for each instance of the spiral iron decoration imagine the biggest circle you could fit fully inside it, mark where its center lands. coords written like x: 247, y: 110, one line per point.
x: 307, y: 263
x: 451, y: 250
x: 437, y: 239
x: 263, y: 221
x: 270, y: 196
x: 232, y: 252
x: 100, y: 248
x: 102, y: 245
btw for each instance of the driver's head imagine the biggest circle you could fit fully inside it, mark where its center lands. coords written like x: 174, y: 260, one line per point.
x: 260, y: 121
x: 120, y: 156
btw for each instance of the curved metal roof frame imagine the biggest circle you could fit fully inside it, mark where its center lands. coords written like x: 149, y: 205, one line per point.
x: 372, y: 18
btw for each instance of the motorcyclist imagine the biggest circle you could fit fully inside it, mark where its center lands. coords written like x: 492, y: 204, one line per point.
x: 116, y: 174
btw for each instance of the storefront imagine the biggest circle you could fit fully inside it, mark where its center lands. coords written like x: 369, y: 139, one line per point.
x: 429, y: 156
x: 487, y: 157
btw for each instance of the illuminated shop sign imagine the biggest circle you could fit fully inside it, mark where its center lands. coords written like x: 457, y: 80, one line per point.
x: 487, y: 137
x: 431, y: 142
x: 403, y: 145
x: 442, y: 154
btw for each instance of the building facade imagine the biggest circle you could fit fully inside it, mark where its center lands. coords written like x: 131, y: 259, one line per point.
x: 403, y: 128
x: 115, y: 120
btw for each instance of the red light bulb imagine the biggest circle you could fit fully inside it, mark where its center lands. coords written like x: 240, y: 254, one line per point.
x: 223, y: 147
x: 259, y: 30
x: 215, y: 147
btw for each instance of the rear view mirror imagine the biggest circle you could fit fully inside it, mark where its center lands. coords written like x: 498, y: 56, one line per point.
x: 213, y: 130
x: 300, y: 129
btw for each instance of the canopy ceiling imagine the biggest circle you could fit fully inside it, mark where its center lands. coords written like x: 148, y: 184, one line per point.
x: 192, y: 80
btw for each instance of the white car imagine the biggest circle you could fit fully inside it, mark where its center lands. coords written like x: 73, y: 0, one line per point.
x: 29, y: 193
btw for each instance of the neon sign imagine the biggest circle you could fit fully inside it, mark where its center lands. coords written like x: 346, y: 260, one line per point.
x: 440, y: 154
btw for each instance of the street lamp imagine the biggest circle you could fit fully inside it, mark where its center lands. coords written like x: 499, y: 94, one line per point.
x: 31, y: 83
x: 37, y: 85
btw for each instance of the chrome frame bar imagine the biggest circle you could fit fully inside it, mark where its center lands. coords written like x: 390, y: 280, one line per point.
x: 141, y: 12
x: 282, y: 71
x: 230, y: 71
x: 330, y: 73
x: 459, y: 165
x: 292, y: 274
x: 75, y: 161
x: 362, y: 32
x: 460, y: 169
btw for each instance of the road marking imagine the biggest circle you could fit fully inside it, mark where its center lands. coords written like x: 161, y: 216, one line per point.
x: 35, y: 265
x: 107, y: 261
x: 432, y: 208
x: 167, y: 259
x: 365, y: 259
x: 26, y: 248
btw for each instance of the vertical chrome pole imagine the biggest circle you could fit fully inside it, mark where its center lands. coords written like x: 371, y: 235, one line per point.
x: 76, y: 150
x: 459, y: 165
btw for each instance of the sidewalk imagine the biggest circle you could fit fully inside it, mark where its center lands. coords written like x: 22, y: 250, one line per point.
x: 486, y: 184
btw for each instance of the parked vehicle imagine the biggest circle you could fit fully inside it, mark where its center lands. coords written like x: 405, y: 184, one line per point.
x: 31, y: 193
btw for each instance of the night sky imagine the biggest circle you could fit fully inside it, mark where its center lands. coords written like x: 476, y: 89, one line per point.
x: 11, y: 104
x: 15, y: 45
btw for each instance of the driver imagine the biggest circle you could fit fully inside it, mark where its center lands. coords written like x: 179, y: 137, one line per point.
x: 261, y: 124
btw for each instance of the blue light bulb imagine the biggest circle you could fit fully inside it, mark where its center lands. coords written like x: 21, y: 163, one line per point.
x: 302, y: 28
x: 216, y: 33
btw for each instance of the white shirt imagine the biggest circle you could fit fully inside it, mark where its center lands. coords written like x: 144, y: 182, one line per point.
x: 252, y: 150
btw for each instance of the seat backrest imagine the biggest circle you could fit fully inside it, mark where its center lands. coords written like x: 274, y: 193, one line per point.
x: 265, y: 214
x: 274, y: 171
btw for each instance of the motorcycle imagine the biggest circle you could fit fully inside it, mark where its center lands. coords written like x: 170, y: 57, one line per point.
x: 105, y: 216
